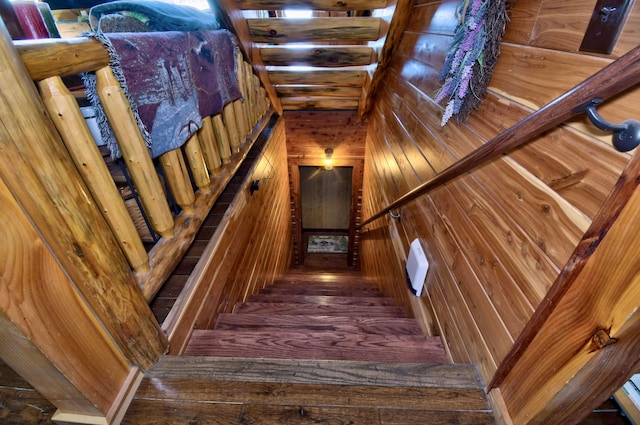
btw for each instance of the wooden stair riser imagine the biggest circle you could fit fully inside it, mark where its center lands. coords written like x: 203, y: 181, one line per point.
x: 323, y: 300
x: 379, y: 326
x: 346, y: 292
x: 318, y: 310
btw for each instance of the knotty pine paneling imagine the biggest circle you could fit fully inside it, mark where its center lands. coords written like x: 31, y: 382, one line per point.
x: 250, y: 249
x: 497, y: 237
x: 310, y: 133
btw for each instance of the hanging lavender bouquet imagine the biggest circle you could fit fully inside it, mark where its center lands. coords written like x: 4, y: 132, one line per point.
x: 471, y: 57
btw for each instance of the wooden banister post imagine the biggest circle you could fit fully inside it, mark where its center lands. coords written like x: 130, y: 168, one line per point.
x: 69, y: 121
x: 134, y: 152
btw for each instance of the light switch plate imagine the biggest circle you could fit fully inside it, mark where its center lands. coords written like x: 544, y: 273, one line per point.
x: 606, y: 23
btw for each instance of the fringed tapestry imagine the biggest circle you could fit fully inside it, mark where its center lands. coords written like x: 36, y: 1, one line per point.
x: 471, y: 56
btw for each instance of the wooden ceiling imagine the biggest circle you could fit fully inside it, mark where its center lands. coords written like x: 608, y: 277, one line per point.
x: 325, y: 62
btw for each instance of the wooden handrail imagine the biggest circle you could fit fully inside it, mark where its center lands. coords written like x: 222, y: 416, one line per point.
x: 613, y: 79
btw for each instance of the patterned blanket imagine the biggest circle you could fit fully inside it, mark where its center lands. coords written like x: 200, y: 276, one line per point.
x: 172, y: 80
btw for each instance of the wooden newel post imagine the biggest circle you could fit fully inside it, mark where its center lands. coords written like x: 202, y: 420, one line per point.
x: 134, y: 152
x: 71, y: 125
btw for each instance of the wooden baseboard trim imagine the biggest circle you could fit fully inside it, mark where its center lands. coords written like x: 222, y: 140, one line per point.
x: 65, y: 418
x: 116, y: 412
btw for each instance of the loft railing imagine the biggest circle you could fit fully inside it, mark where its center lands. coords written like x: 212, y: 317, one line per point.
x: 213, y: 154
x: 615, y: 78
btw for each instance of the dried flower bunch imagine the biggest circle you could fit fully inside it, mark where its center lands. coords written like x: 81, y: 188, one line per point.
x: 471, y: 57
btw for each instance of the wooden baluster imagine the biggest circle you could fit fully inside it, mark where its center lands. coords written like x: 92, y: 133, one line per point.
x: 263, y: 102
x: 239, y: 113
x: 222, y: 139
x: 243, y: 89
x: 232, y: 129
x: 210, y: 146
x: 134, y: 151
x: 194, y: 152
x: 68, y: 119
x: 177, y: 175
x: 262, y: 94
x: 248, y: 74
x: 242, y: 104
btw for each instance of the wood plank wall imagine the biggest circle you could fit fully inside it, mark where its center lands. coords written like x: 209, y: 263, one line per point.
x: 308, y: 135
x: 498, y: 237
x: 250, y: 249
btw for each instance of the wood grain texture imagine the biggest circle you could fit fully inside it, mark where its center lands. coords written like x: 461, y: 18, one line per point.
x: 68, y: 340
x: 234, y: 19
x: 284, y: 30
x: 317, y: 91
x: 610, y: 306
x: 49, y: 58
x: 335, y: 78
x: 135, y: 153
x: 406, y: 145
x: 312, y: 4
x: 319, y: 103
x: 306, y: 323
x: 321, y: 56
x: 70, y: 123
x: 40, y: 174
x: 322, y: 372
x: 401, y: 12
x: 249, y: 261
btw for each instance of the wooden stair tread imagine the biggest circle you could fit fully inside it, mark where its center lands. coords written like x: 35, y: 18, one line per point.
x: 367, y: 325
x: 340, y: 384
x: 305, y: 371
x: 321, y: 310
x: 316, y: 345
x: 322, y: 300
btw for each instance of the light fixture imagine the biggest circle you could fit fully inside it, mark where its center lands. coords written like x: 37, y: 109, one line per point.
x: 328, y: 159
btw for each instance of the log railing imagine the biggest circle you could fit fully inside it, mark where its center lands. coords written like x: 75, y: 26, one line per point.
x: 207, y: 161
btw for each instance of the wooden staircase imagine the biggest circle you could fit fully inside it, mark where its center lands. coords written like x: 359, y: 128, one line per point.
x: 324, y: 348
x: 328, y: 317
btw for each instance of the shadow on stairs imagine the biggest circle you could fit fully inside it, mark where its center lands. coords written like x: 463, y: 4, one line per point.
x: 313, y: 348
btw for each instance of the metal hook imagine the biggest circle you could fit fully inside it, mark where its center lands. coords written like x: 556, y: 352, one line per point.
x: 626, y: 135
x: 396, y: 216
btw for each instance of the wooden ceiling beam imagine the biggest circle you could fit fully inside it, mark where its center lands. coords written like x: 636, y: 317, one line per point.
x: 319, y: 103
x: 283, y: 30
x: 399, y: 21
x: 339, y: 77
x: 233, y: 18
x: 311, y: 4
x: 317, y: 91
x: 321, y: 56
